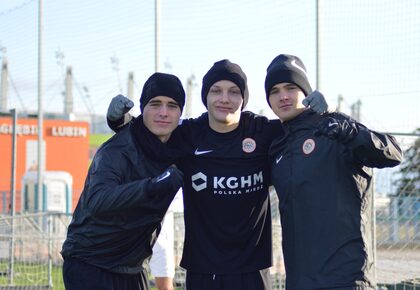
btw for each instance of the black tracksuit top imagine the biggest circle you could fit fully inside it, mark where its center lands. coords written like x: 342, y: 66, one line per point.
x: 324, y: 189
x: 116, y: 221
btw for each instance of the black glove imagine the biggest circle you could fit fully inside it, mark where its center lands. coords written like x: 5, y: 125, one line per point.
x: 340, y: 130
x: 118, y: 107
x: 316, y: 102
x: 168, y: 182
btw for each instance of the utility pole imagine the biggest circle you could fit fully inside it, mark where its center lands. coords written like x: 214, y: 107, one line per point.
x: 355, y: 110
x: 13, y: 198
x: 157, y: 28
x: 40, y: 108
x: 340, y: 100
x: 116, y: 67
x: 130, y: 86
x: 318, y: 17
x: 68, y: 95
x: 188, y: 104
x: 4, y: 85
x: 130, y: 89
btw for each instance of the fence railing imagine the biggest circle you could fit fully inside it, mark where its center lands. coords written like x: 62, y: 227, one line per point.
x: 37, y: 240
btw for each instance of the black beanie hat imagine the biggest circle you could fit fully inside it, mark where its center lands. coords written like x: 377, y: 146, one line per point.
x: 161, y: 84
x: 287, y: 68
x: 225, y: 70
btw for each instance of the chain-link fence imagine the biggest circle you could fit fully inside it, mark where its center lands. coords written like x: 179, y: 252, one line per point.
x: 398, y: 220
x: 30, y: 247
x: 30, y: 244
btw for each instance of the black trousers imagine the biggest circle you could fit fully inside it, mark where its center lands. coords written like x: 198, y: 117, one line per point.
x: 258, y: 280
x: 78, y: 275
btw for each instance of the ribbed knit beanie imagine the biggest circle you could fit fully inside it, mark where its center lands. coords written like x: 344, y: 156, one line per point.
x: 162, y: 84
x: 287, y: 68
x: 225, y: 70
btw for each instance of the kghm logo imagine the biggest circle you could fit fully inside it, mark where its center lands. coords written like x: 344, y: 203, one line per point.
x: 229, y: 185
x: 199, y: 181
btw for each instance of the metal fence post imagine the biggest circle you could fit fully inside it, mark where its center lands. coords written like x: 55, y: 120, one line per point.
x: 12, y: 198
x: 50, y: 236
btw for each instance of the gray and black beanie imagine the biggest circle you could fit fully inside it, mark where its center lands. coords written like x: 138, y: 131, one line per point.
x: 162, y: 84
x: 225, y: 70
x: 287, y: 68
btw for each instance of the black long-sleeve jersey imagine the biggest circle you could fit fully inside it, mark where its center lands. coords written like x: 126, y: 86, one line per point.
x: 325, y: 202
x: 226, y: 198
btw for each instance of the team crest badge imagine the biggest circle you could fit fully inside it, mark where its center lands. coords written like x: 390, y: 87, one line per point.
x: 308, y: 146
x: 248, y: 145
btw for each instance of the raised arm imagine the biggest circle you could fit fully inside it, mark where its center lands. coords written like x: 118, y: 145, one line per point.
x: 370, y: 148
x: 117, y: 115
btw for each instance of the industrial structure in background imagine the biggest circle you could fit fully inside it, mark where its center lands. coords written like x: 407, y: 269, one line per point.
x: 67, y: 143
x: 97, y: 121
x: 66, y: 147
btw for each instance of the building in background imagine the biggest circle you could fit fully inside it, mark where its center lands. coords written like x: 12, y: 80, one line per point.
x: 66, y: 149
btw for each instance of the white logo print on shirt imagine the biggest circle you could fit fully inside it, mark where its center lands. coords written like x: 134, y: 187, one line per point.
x: 278, y: 159
x: 199, y: 152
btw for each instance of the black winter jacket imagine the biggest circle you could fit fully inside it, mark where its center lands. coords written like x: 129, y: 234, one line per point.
x: 116, y: 221
x: 325, y: 201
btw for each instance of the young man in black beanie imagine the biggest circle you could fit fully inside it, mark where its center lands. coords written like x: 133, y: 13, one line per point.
x: 126, y: 195
x: 321, y: 172
x: 226, y: 178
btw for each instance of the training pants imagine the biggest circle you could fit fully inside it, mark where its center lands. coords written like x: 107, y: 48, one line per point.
x: 78, y: 275
x: 258, y: 280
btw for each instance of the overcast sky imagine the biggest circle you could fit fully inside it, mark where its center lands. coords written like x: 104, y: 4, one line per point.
x: 369, y: 50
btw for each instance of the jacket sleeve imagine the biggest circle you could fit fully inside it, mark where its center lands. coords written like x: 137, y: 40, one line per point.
x: 373, y: 149
x: 120, y: 123
x: 105, y: 190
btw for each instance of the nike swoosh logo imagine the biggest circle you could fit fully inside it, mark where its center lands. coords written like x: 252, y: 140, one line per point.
x: 298, y: 67
x: 162, y: 177
x: 198, y: 152
x: 278, y: 159
x: 330, y: 124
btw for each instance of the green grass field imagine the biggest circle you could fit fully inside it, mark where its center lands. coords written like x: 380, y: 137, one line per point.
x: 34, y: 275
x: 96, y: 140
x: 31, y: 275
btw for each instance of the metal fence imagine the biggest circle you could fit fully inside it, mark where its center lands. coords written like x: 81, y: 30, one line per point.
x: 30, y: 247
x: 398, y: 220
x: 34, y: 241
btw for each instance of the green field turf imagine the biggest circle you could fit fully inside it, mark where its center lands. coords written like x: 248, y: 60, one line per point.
x: 35, y: 275
x: 31, y: 275
x: 96, y: 140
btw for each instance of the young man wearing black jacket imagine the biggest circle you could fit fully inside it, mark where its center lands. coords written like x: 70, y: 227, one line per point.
x: 125, y: 197
x: 226, y: 178
x: 321, y: 170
